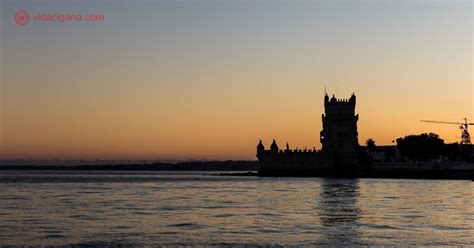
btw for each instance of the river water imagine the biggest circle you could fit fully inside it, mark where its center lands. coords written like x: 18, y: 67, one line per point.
x: 195, y: 208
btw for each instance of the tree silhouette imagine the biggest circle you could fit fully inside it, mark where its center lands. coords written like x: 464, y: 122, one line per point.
x: 370, y: 143
x: 421, y: 147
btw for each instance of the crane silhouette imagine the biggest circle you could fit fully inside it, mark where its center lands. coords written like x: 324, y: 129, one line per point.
x: 465, y: 137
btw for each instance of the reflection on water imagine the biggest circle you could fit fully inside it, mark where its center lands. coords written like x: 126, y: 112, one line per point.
x: 195, y: 209
x: 337, y: 202
x: 338, y: 210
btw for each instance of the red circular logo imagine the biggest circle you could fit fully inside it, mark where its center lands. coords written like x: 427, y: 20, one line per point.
x: 22, y: 17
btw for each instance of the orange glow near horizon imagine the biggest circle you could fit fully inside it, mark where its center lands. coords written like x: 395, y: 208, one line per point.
x: 211, y: 90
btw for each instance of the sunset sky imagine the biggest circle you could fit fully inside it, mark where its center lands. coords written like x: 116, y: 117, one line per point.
x: 192, y: 79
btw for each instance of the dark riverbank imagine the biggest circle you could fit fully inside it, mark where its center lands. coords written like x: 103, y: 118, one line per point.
x: 228, y: 165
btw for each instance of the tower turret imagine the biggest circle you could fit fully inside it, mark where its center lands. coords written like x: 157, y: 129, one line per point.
x: 274, y: 147
x: 260, y: 149
x: 353, y: 98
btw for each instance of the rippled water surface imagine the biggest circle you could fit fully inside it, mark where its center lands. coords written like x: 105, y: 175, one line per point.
x: 166, y: 208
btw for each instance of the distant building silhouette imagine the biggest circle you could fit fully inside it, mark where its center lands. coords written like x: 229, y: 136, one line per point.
x: 341, y: 154
x: 339, y: 139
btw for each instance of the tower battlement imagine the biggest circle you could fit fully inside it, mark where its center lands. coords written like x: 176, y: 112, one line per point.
x: 334, y: 100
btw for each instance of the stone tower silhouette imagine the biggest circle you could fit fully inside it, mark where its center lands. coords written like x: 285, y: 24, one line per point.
x: 339, y: 137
